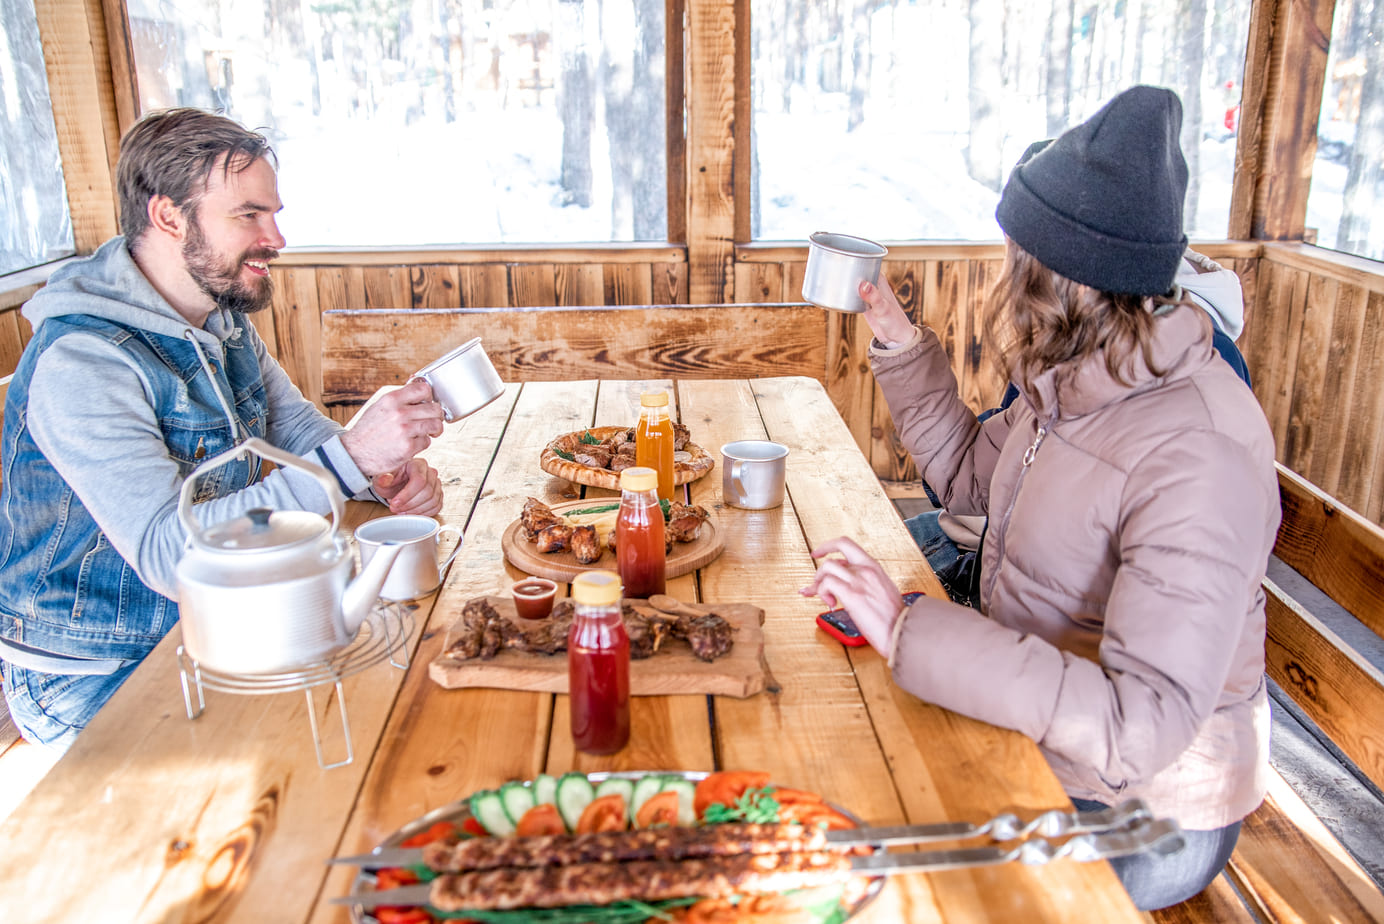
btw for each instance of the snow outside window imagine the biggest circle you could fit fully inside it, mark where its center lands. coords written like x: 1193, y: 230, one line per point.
x: 900, y: 120
x: 415, y: 122
x: 1344, y: 200
x: 35, y: 226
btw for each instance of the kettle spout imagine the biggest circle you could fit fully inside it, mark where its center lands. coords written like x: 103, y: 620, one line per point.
x: 362, y: 592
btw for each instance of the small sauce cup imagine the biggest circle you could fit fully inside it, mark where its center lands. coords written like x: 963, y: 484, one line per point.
x: 533, y: 597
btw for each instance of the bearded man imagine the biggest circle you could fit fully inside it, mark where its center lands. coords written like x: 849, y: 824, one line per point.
x: 142, y: 365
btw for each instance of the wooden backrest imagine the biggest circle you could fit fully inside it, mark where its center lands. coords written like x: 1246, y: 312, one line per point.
x: 1342, y: 554
x: 365, y: 349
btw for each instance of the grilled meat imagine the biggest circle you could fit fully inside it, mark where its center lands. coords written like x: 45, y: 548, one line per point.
x: 622, y: 459
x: 596, y: 456
x: 536, y: 516
x: 646, y: 629
x: 640, y: 880
x: 708, y: 634
x: 665, y: 843
x: 681, y: 436
x: 549, y: 636
x: 474, y: 617
x: 586, y: 545
x: 685, y: 520
x: 554, y: 538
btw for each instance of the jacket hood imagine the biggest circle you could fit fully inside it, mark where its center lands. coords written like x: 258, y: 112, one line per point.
x: 109, y: 285
x: 1181, y: 345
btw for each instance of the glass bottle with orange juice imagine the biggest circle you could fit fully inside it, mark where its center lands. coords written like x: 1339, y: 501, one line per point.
x: 598, y: 665
x: 653, y: 440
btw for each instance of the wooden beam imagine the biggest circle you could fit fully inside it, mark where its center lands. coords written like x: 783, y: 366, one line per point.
x: 489, y: 253
x: 72, y: 31
x: 711, y: 149
x: 1254, y: 95
x: 1299, y: 38
x: 675, y: 61
x: 125, y: 82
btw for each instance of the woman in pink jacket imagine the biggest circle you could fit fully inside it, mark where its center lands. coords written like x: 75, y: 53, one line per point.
x: 1132, y: 502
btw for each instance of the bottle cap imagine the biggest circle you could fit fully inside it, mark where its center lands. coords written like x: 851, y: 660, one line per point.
x: 638, y: 478
x: 596, y: 588
x: 654, y: 399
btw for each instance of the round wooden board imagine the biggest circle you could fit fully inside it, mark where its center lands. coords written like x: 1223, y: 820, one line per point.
x: 554, y: 464
x: 563, y: 566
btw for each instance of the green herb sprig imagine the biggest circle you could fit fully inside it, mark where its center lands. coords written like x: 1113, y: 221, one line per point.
x: 623, y: 912
x: 755, y: 806
x: 590, y: 440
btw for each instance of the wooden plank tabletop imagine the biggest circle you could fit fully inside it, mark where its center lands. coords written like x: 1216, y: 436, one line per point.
x: 153, y: 817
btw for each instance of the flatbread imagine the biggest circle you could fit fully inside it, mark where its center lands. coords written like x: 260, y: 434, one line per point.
x: 697, y: 464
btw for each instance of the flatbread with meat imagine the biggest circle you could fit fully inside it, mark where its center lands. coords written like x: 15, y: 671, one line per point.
x: 596, y: 456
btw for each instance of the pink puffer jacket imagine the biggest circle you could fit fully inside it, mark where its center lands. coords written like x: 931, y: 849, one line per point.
x: 1130, y: 526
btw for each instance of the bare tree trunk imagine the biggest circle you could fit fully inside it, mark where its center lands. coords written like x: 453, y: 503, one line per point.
x: 860, y: 63
x: 574, y: 102
x: 1191, y: 59
x: 983, y: 150
x: 1059, y: 67
x: 617, y: 81
x: 650, y: 172
x: 1362, y: 179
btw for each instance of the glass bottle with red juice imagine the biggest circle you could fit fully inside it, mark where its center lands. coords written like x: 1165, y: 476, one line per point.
x: 641, y: 555
x: 598, y: 665
x: 653, y: 441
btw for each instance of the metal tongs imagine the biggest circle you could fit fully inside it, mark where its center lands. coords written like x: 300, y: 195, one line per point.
x: 1124, y: 829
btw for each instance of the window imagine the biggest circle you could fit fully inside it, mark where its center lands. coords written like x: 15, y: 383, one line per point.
x: 420, y: 122
x: 900, y: 120
x: 1345, y: 194
x: 36, y: 227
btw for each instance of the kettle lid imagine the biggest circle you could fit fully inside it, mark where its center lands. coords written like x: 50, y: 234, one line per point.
x: 262, y: 529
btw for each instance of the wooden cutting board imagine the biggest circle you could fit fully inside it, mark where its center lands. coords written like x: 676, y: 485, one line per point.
x: 674, y: 668
x: 563, y: 566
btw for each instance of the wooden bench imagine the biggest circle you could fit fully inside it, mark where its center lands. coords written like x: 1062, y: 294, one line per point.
x: 1287, y: 865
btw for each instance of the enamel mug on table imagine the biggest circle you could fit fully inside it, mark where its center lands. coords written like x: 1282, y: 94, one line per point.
x: 416, y: 572
x: 753, y: 473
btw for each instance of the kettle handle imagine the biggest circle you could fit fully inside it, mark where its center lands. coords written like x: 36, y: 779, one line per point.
x: 258, y: 447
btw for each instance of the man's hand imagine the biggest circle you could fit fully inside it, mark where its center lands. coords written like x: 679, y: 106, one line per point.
x: 857, y: 582
x: 414, y: 488
x: 394, y: 429
x: 885, y: 315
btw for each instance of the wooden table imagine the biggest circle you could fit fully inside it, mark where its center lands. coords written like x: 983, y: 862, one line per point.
x: 153, y: 817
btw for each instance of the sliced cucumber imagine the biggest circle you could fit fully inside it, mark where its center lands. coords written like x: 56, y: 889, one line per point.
x: 487, y: 808
x: 644, y: 787
x: 574, y: 794
x: 517, y: 799
x: 545, y: 790
x: 621, y: 785
x: 687, y: 791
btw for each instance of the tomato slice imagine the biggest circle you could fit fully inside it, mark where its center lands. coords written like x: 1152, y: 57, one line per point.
x: 392, y: 914
x: 813, y: 814
x: 541, y: 819
x: 437, y: 832
x: 394, y: 877
x: 473, y: 827
x: 607, y: 813
x: 659, y: 809
x: 785, y: 796
x: 725, y: 787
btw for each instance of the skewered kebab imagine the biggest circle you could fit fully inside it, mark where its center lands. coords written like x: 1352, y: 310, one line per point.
x: 643, y: 880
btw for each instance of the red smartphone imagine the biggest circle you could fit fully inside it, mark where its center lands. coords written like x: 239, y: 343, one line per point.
x: 838, y: 623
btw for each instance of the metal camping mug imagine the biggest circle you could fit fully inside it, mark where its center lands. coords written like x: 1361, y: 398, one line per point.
x: 416, y: 571
x: 463, y: 381
x: 752, y: 473
x: 836, y: 265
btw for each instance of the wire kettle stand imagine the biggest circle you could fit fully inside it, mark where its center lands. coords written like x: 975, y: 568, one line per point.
x: 383, y: 635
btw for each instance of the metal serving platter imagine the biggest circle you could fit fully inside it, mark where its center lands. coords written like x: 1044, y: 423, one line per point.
x: 457, y: 812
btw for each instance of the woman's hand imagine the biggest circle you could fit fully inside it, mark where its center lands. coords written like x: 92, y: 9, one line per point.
x: 414, y: 488
x: 885, y: 315
x: 857, y: 582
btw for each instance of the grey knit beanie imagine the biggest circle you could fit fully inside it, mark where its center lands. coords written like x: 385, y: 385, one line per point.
x: 1102, y: 204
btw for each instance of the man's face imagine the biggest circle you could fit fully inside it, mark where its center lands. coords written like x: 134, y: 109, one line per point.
x: 232, y: 236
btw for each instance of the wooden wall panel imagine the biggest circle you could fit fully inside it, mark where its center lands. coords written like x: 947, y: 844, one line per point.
x: 582, y: 284
x: 669, y: 284
x: 298, y: 328
x: 1308, y: 398
x: 437, y: 287
x: 484, y: 286
x: 534, y: 284
x: 1337, y: 387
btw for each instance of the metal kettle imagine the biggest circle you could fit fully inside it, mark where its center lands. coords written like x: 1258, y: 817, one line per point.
x: 271, y: 591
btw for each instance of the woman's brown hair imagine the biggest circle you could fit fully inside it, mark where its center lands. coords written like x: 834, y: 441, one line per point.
x: 1037, y: 319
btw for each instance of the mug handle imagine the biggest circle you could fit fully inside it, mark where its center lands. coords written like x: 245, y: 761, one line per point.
x: 442, y: 530
x: 736, y: 480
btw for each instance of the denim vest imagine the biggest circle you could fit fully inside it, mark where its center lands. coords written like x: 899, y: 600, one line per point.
x: 63, y: 589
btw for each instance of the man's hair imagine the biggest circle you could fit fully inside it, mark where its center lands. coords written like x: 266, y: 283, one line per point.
x: 172, y: 153
x: 1037, y: 319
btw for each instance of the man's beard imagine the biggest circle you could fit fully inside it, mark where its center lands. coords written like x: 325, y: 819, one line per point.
x: 221, y: 279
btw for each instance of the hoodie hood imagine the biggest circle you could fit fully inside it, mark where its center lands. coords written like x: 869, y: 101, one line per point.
x: 1215, y: 289
x: 109, y: 285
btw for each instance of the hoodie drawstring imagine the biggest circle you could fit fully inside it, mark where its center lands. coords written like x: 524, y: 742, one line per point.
x: 231, y: 419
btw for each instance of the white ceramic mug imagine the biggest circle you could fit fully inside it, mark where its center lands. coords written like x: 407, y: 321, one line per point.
x: 463, y: 381
x: 416, y: 571
x: 753, y: 473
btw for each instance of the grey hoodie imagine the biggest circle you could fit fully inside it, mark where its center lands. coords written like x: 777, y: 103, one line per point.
x: 90, y: 415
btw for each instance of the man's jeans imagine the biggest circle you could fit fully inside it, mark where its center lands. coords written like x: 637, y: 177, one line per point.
x: 958, y: 569
x: 50, y: 709
x: 1155, y: 881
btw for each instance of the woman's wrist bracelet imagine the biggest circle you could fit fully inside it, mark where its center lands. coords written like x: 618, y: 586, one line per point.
x: 894, y: 635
